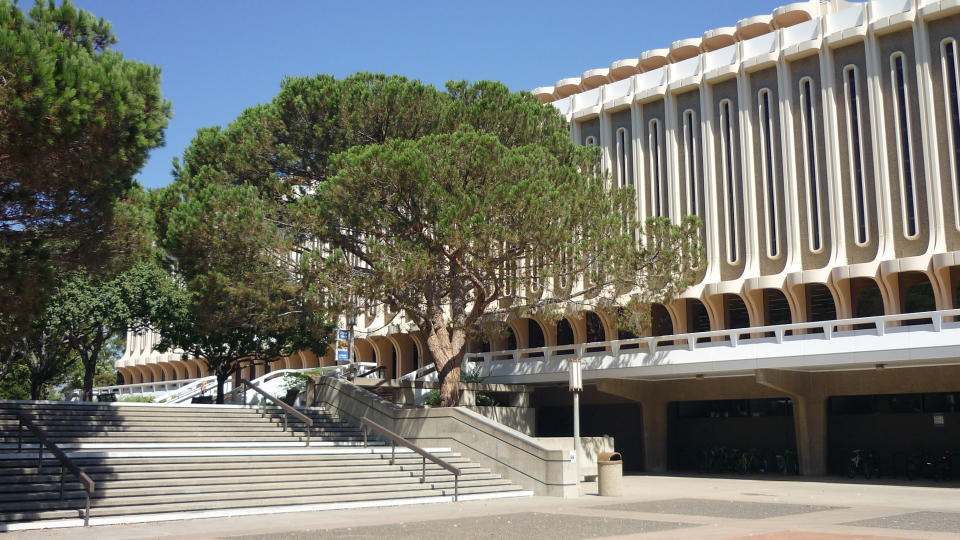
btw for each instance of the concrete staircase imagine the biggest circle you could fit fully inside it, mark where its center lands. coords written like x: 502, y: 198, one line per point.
x: 176, y: 462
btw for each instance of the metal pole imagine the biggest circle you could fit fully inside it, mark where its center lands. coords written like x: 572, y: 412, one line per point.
x: 364, y: 436
x: 61, y: 481
x: 20, y: 436
x: 576, y: 433
x: 86, y: 513
x: 423, y: 471
x: 456, y: 488
x: 393, y: 451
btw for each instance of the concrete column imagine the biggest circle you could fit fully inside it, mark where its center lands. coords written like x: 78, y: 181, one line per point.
x: 654, y: 434
x: 654, y: 418
x: 809, y: 415
x: 810, y: 424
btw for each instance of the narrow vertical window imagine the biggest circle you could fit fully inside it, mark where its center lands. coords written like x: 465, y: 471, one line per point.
x: 808, y: 127
x: 690, y: 162
x: 624, y: 161
x: 726, y: 142
x: 769, y: 180
x: 952, y: 94
x: 854, y: 145
x: 658, y: 190
x: 905, y: 161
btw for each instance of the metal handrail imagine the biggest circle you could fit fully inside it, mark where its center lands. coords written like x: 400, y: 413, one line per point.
x: 85, y: 481
x: 288, y: 410
x: 397, y: 439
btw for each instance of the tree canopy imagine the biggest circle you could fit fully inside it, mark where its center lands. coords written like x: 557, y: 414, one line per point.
x: 77, y: 121
x: 455, y: 208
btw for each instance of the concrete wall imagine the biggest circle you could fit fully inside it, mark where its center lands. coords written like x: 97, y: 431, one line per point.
x: 521, y: 459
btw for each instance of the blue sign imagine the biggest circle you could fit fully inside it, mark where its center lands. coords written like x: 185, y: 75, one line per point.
x: 343, y: 345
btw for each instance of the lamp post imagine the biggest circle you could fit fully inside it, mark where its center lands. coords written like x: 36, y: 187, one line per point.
x: 575, y: 368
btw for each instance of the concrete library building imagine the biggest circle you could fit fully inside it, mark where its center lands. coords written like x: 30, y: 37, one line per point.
x: 820, y: 145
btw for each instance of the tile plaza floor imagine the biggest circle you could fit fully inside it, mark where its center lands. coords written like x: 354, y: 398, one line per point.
x: 653, y: 507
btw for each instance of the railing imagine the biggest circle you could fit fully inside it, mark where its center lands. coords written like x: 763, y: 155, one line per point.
x: 85, y: 481
x: 287, y: 410
x: 395, y: 439
x: 422, y: 372
x: 195, y: 388
x: 143, y: 388
x: 818, y: 330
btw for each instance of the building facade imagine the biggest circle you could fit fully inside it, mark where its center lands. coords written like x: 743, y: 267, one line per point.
x: 820, y: 145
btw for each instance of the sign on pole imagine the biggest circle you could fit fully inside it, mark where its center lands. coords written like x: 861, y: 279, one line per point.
x: 576, y: 375
x: 343, y: 345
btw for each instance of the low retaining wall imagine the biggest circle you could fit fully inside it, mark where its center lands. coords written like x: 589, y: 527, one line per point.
x: 507, y: 452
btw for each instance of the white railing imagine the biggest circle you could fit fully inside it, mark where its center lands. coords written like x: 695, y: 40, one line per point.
x: 846, y: 18
x: 650, y: 79
x: 419, y: 373
x: 763, y: 44
x: 885, y: 8
x: 142, y: 388
x: 721, y: 57
x: 590, y: 98
x: 798, y: 33
x: 196, y: 388
x: 617, y: 89
x: 562, y: 105
x: 799, y: 334
x: 685, y: 68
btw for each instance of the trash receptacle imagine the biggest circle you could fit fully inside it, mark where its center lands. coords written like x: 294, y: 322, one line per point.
x: 610, y: 474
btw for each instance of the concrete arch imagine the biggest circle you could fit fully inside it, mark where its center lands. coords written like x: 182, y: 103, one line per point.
x: 912, y: 295
x: 520, y: 329
x: 385, y: 355
x: 364, y: 350
x: 426, y: 358
x: 129, y: 375
x: 155, y: 374
x: 308, y: 359
x: 407, y: 353
x: 294, y: 362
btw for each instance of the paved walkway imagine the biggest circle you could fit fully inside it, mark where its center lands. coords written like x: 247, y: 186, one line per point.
x: 653, y: 507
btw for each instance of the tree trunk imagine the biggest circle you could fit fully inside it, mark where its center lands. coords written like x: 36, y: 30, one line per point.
x: 447, y: 350
x: 221, y: 378
x: 88, y: 372
x: 36, y: 387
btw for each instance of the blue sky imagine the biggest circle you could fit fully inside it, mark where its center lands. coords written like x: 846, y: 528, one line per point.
x: 220, y: 57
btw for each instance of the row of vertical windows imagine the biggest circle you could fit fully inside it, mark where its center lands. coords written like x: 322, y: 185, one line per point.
x: 769, y: 180
x: 726, y: 142
x: 952, y: 95
x: 808, y: 126
x: 657, y: 177
x: 855, y: 149
x: 623, y: 158
x: 905, y: 161
x: 690, y: 161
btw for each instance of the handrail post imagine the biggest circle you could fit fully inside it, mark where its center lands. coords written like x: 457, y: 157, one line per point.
x: 61, y: 481
x: 456, y: 488
x: 365, y: 437
x: 39, y: 457
x: 393, y: 451
x: 86, y: 512
x: 19, y: 434
x: 423, y: 470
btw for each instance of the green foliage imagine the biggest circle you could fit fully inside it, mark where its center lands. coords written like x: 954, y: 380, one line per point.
x: 243, y: 298
x: 77, y: 121
x: 459, y: 208
x: 16, y: 384
x: 136, y: 399
x: 433, y: 399
x: 484, y: 400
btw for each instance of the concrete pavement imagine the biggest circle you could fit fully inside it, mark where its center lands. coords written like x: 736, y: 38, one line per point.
x: 653, y: 507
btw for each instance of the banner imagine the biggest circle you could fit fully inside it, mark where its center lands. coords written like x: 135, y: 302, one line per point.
x: 343, y: 345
